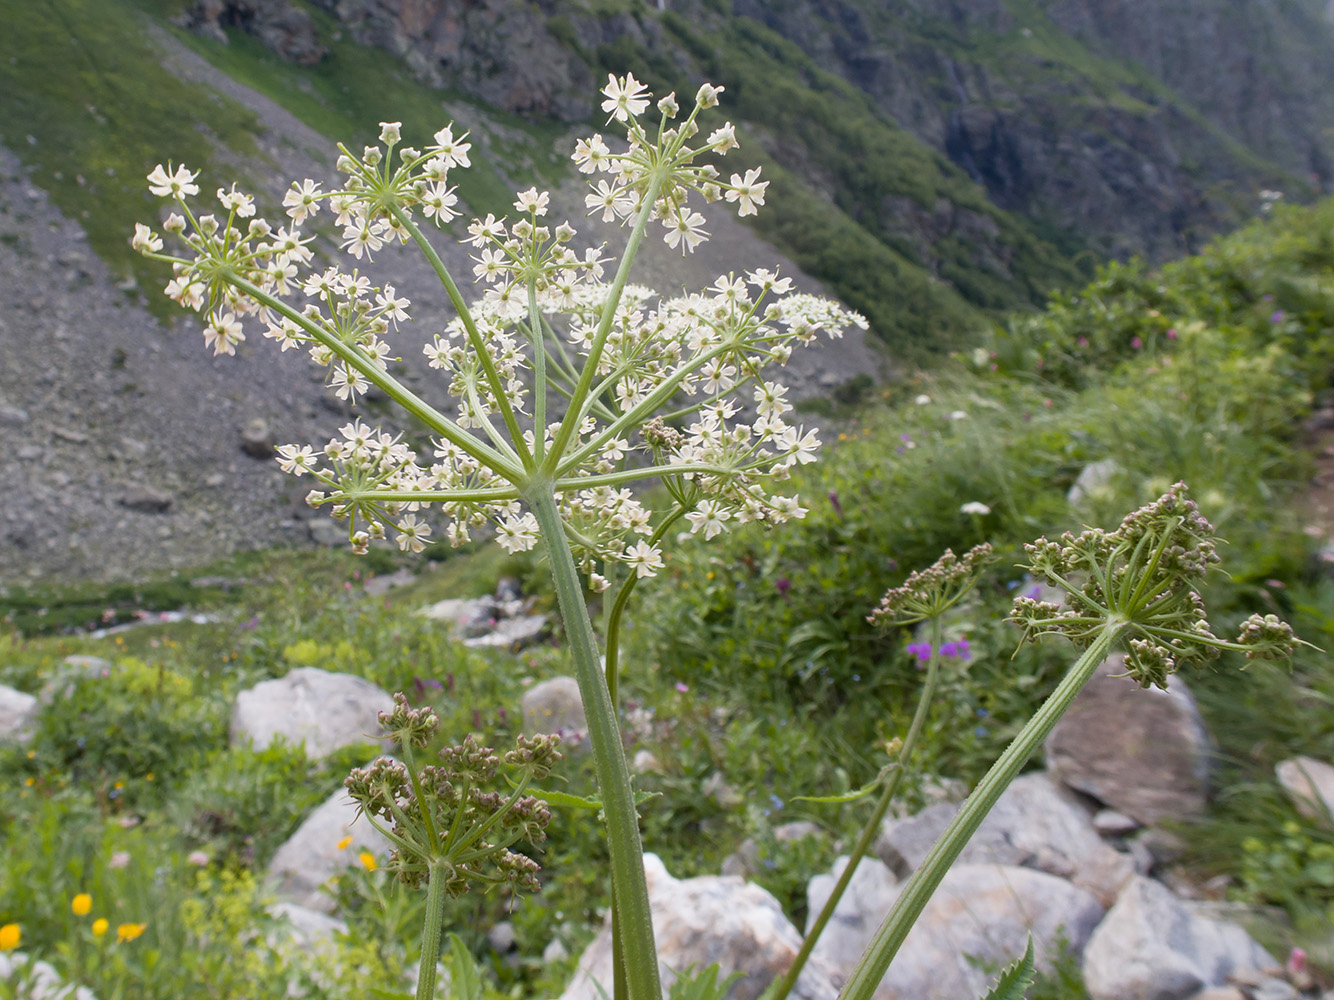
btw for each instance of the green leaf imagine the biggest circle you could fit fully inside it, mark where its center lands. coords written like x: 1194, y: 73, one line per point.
x: 853, y: 796
x: 464, y: 981
x: 584, y: 802
x: 379, y: 994
x: 702, y: 984
x: 1016, y: 979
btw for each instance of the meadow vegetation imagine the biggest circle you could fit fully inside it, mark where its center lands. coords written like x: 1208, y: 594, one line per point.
x: 753, y: 659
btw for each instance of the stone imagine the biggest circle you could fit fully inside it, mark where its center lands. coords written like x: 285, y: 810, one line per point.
x: 554, y: 706
x: 1035, y: 824
x: 147, y: 500
x: 511, y: 633
x: 1111, y: 823
x: 13, y: 416
x: 40, y: 979
x: 1093, y: 479
x: 1309, y: 783
x: 1219, y: 993
x: 980, y: 914
x: 1273, y: 988
x: 257, y: 439
x: 312, y: 856
x: 322, y: 710
x: 700, y: 921
x: 715, y: 786
x: 1151, y: 945
x: 328, y: 532
x: 468, y: 617
x: 18, y: 715
x: 554, y: 952
x: 308, y: 928
x: 1145, y: 753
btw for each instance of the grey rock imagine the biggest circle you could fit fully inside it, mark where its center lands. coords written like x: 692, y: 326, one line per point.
x: 979, y: 913
x: 747, y: 861
x: 147, y: 500
x: 322, y: 710
x: 18, y: 715
x: 1035, y: 824
x: 716, y: 787
x: 554, y: 706
x: 508, y: 589
x: 40, y: 979
x: 1093, y: 479
x: 708, y: 919
x: 1309, y: 783
x: 1145, y: 753
x: 511, y: 633
x: 1111, y: 823
x: 12, y: 416
x: 308, y: 928
x: 469, y: 617
x: 1273, y: 988
x: 312, y: 855
x: 1219, y: 993
x: 257, y: 439
x: 554, y: 952
x: 326, y: 531
x: 1150, y: 945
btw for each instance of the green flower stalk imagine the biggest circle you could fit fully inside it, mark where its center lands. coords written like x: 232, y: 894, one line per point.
x: 555, y: 378
x: 1134, y: 587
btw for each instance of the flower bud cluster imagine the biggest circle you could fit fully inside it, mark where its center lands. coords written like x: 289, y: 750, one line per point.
x: 1142, y: 577
x: 931, y: 592
x: 443, y: 817
x: 546, y: 325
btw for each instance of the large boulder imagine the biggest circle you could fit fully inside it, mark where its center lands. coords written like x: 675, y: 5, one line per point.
x: 980, y: 915
x: 1151, y: 947
x: 700, y: 921
x: 330, y: 840
x: 39, y: 979
x: 322, y: 710
x: 1145, y: 753
x: 1035, y: 824
x: 18, y: 715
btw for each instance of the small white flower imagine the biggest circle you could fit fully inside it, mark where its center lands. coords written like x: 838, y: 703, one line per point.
x: 294, y: 460
x: 708, y: 517
x: 646, y: 559
x: 625, y: 98
x: 390, y: 131
x: 923, y: 400
x: 145, y: 241
x: 975, y: 507
x: 959, y: 415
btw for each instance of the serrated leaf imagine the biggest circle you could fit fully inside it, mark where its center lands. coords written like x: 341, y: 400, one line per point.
x: 1015, y: 981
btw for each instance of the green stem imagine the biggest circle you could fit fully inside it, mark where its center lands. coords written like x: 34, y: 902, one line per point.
x: 574, y: 416
x: 872, y: 826
x: 435, y: 919
x: 613, y: 654
x: 885, y: 945
x: 479, y: 345
x: 629, y: 886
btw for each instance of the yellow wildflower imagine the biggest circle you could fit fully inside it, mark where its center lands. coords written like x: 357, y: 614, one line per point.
x: 81, y: 904
x: 100, y: 926
x: 342, y: 844
x: 9, y: 937
x: 128, y: 932
x: 368, y: 861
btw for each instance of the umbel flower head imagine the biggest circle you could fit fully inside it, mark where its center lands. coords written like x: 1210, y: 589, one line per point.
x: 1143, y: 580
x: 446, y: 817
x: 547, y: 328
x: 931, y: 592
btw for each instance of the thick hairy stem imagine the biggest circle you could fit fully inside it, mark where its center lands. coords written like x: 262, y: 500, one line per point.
x: 435, y: 919
x: 885, y: 945
x: 629, y: 887
x: 872, y: 827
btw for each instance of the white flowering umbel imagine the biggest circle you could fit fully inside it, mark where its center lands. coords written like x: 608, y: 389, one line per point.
x: 647, y: 389
x: 547, y: 325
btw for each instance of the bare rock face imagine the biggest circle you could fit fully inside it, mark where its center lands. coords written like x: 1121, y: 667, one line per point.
x: 1144, y: 753
x: 1036, y: 824
x: 323, y: 710
x: 499, y: 51
x: 1151, y: 946
x: 979, y: 912
x: 285, y: 29
x: 700, y: 921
